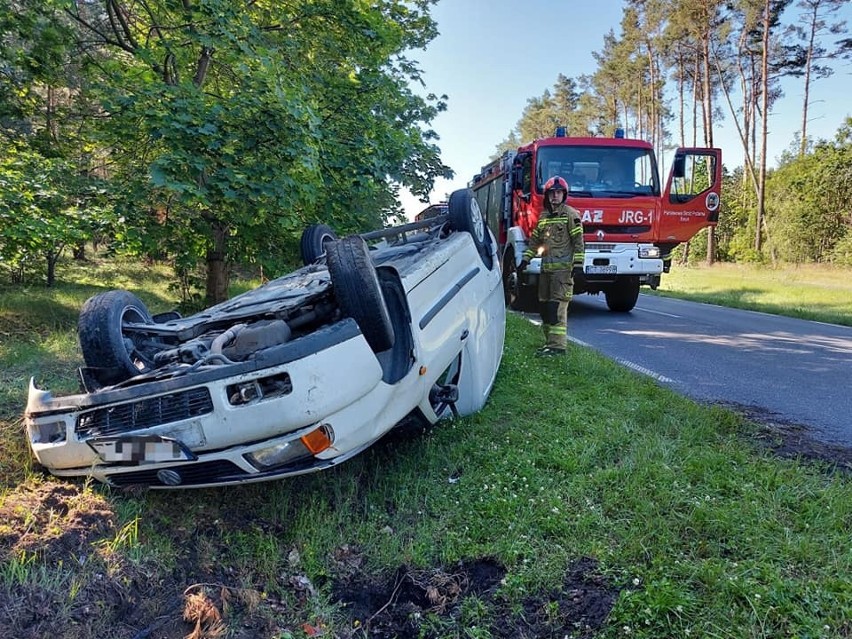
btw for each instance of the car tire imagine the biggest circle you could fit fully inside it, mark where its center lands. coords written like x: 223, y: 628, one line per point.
x: 358, y: 292
x: 465, y: 215
x: 621, y: 297
x: 314, y: 241
x: 100, y: 330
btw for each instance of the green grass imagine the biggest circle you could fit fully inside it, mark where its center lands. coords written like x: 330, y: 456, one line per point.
x: 812, y: 292
x: 701, y: 529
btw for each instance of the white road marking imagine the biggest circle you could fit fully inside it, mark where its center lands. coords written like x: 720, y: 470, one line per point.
x: 636, y: 367
x: 645, y: 371
x: 648, y: 310
x: 629, y: 364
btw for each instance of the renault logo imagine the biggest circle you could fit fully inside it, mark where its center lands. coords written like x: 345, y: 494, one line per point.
x: 600, y: 235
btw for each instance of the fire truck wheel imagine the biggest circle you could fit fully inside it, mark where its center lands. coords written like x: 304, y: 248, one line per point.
x: 315, y: 237
x: 518, y: 297
x: 465, y: 215
x: 621, y: 297
x: 104, y: 338
x: 358, y: 292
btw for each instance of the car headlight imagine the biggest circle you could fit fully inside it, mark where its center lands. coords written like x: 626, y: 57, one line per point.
x: 649, y: 252
x: 47, y: 432
x: 292, y: 451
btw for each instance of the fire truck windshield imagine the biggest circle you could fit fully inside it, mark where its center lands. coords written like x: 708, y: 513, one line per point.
x: 598, y: 171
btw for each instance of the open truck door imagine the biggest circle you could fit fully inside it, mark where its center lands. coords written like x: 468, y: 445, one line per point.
x: 692, y: 199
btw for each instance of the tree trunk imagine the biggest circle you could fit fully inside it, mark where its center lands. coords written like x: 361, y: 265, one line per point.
x: 681, y: 72
x: 217, y: 268
x: 52, y: 257
x: 764, y: 127
x: 696, y: 91
x: 808, y: 63
x: 708, y: 131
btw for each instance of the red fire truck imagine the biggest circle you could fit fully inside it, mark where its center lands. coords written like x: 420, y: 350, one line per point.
x: 630, y: 222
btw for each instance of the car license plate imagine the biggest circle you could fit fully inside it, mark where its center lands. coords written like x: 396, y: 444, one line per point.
x: 609, y: 269
x: 140, y: 450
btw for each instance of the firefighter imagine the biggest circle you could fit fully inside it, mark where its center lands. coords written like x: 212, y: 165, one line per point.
x: 558, y: 239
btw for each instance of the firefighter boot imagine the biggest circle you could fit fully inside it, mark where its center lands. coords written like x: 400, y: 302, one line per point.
x: 545, y: 328
x: 550, y: 352
x: 556, y: 330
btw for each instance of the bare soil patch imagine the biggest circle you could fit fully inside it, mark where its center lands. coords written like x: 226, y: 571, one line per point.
x: 790, y: 440
x: 396, y: 605
x: 74, y: 578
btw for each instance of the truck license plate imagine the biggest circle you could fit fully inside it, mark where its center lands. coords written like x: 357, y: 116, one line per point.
x: 609, y: 269
x: 140, y: 450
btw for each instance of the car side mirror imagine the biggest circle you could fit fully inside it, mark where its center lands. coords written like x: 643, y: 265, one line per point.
x: 517, y: 177
x: 679, y: 166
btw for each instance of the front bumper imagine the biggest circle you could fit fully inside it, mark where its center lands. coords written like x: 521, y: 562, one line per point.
x: 222, y: 418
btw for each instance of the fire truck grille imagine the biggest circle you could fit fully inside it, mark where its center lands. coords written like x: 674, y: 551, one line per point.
x: 612, y: 229
x: 145, y: 413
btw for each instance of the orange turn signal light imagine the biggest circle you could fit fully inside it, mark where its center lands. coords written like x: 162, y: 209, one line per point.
x: 318, y: 440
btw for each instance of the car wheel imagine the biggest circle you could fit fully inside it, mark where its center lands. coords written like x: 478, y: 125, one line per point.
x: 358, y: 292
x: 465, y: 215
x: 621, y: 297
x: 314, y: 241
x: 104, y: 338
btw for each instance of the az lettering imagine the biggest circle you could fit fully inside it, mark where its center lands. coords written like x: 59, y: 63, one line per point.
x: 592, y: 216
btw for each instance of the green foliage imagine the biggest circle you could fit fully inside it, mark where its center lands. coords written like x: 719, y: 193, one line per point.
x: 44, y: 207
x: 735, y: 231
x: 809, y: 203
x: 303, y: 116
x: 224, y: 128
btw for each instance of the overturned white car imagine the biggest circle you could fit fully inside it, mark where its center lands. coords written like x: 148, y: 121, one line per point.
x: 396, y: 327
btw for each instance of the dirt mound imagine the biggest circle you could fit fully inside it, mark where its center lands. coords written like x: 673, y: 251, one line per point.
x: 397, y: 605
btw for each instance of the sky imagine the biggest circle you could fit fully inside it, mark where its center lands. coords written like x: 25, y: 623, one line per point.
x: 493, y: 55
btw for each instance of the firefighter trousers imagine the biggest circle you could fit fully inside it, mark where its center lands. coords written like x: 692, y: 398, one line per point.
x: 555, y: 289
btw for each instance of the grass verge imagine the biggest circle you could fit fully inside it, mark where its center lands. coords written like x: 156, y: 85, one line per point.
x: 583, y: 501
x: 811, y: 292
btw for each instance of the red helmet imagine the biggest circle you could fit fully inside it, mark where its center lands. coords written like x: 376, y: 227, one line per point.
x: 556, y: 183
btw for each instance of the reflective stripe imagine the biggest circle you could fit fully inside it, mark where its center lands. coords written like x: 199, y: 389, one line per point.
x: 557, y: 266
x: 576, y: 231
x: 558, y: 330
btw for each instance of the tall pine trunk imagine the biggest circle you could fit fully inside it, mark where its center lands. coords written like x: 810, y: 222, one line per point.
x: 808, y: 64
x: 708, y: 130
x: 764, y: 127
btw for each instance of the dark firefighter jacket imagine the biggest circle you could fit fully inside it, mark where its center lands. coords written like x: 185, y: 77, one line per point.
x: 560, y: 233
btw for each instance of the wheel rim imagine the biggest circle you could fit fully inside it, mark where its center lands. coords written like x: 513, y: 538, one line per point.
x: 137, y: 358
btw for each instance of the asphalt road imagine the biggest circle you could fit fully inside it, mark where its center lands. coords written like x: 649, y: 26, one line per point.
x: 800, y: 371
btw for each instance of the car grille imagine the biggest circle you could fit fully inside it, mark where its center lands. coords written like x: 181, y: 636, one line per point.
x: 190, y: 474
x: 145, y: 413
